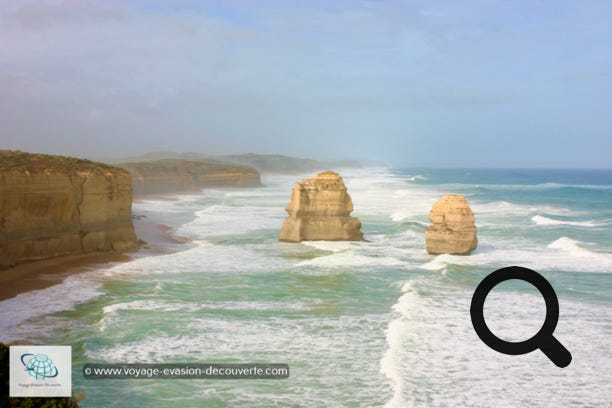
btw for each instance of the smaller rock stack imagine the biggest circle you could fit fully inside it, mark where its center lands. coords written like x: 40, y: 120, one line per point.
x: 452, y: 230
x: 319, y: 210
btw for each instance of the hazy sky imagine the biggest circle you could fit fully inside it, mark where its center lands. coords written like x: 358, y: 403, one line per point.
x: 410, y: 83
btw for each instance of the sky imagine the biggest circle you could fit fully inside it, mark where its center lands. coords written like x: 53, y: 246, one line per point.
x: 469, y: 83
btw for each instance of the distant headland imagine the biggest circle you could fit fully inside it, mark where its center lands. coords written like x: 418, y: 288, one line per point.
x: 176, y: 176
x: 263, y: 163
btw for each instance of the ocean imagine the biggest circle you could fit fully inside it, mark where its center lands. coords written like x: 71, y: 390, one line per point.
x: 378, y: 323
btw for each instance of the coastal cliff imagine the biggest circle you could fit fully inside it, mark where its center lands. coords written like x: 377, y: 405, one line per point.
x: 319, y: 210
x: 54, y: 205
x: 453, y: 230
x: 175, y: 176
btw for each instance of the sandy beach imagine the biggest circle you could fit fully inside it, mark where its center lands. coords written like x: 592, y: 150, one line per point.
x: 38, y: 275
x: 43, y: 274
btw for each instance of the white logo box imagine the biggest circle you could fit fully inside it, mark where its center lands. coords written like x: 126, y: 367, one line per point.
x: 40, y: 371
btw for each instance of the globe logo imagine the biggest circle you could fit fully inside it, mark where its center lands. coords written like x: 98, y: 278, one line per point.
x: 39, y: 366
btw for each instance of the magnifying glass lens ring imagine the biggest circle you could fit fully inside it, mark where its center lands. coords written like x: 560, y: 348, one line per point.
x: 545, y: 289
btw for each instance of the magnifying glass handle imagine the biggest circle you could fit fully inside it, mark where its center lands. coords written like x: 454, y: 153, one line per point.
x: 556, y: 352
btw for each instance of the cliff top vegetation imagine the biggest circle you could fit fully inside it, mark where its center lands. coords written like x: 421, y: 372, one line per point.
x: 187, y: 166
x: 37, y: 162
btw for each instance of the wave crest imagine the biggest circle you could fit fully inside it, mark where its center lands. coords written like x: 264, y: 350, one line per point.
x: 540, y: 220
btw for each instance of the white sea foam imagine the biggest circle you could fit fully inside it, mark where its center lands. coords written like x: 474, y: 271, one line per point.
x: 225, y: 220
x: 26, y: 306
x: 272, y: 339
x: 439, y: 262
x: 398, y: 216
x: 332, y: 246
x: 385, y: 194
x: 563, y: 255
x: 431, y: 346
x: 505, y: 208
x: 205, y: 257
x: 119, y: 316
x: 390, y: 365
x: 540, y: 220
x: 179, y: 203
x: 350, y: 259
x: 405, y: 215
x: 567, y: 247
x: 151, y: 305
x: 505, y: 311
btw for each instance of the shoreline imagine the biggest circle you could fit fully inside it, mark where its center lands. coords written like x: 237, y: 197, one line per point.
x: 155, y: 238
x: 45, y: 273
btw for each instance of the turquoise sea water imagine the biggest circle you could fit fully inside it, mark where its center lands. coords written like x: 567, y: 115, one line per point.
x: 361, y: 324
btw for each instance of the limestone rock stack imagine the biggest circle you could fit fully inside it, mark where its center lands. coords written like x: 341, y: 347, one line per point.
x: 320, y: 210
x: 452, y: 230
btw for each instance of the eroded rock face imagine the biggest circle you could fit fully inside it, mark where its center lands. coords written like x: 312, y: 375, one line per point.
x: 319, y: 210
x: 53, y: 211
x: 452, y: 230
x: 176, y: 176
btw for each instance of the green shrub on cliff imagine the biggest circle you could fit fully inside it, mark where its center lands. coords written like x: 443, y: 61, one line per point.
x: 28, y: 402
x: 35, y: 162
x: 194, y: 167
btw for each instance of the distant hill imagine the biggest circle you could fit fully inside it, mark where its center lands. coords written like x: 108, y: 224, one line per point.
x: 274, y: 163
x: 264, y: 163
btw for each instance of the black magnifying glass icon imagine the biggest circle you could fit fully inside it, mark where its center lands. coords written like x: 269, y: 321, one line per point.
x: 543, y: 339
